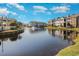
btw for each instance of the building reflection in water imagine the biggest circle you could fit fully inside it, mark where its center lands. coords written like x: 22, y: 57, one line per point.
x: 64, y: 34
x: 12, y: 38
x: 36, y: 30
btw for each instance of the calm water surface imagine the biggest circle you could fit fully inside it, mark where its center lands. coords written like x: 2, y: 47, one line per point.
x: 41, y: 42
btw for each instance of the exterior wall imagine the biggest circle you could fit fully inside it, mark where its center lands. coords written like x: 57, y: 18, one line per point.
x: 77, y: 22
x: 56, y: 23
x: 50, y: 23
x: 8, y: 27
x: 4, y: 23
x: 59, y: 22
x: 73, y: 21
x: 69, y: 21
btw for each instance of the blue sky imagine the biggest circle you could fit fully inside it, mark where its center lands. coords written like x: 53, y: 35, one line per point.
x: 26, y: 12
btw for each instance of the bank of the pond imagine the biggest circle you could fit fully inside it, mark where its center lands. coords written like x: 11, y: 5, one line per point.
x: 72, y: 50
x: 9, y: 32
x: 63, y: 28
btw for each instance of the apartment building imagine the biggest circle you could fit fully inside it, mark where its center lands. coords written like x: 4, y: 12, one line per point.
x: 50, y: 22
x: 71, y: 21
x: 5, y: 23
x: 59, y: 22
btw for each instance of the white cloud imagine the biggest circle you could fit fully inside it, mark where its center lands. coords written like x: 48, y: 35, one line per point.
x: 13, y: 13
x: 4, y: 11
x: 40, y: 8
x: 60, y: 9
x: 18, y: 6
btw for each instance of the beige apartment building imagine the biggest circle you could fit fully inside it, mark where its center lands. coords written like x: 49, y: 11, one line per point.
x: 59, y: 22
x: 68, y: 21
x: 51, y: 22
x: 72, y: 21
x: 5, y: 23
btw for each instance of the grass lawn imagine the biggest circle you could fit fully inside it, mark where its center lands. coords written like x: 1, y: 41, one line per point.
x: 72, y: 50
x: 63, y: 28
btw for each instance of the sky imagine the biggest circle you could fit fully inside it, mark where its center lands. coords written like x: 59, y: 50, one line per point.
x: 26, y: 12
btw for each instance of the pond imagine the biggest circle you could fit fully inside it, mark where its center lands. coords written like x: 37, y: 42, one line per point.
x: 38, y: 42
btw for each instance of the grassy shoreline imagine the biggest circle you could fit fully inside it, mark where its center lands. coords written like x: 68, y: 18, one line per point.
x: 63, y: 28
x: 72, y: 50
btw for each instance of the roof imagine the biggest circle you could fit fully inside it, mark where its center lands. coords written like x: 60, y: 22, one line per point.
x: 5, y: 18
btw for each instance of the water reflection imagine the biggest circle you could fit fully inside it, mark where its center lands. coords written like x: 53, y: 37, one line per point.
x: 12, y: 37
x: 64, y: 34
x: 36, y: 30
x: 36, y: 42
